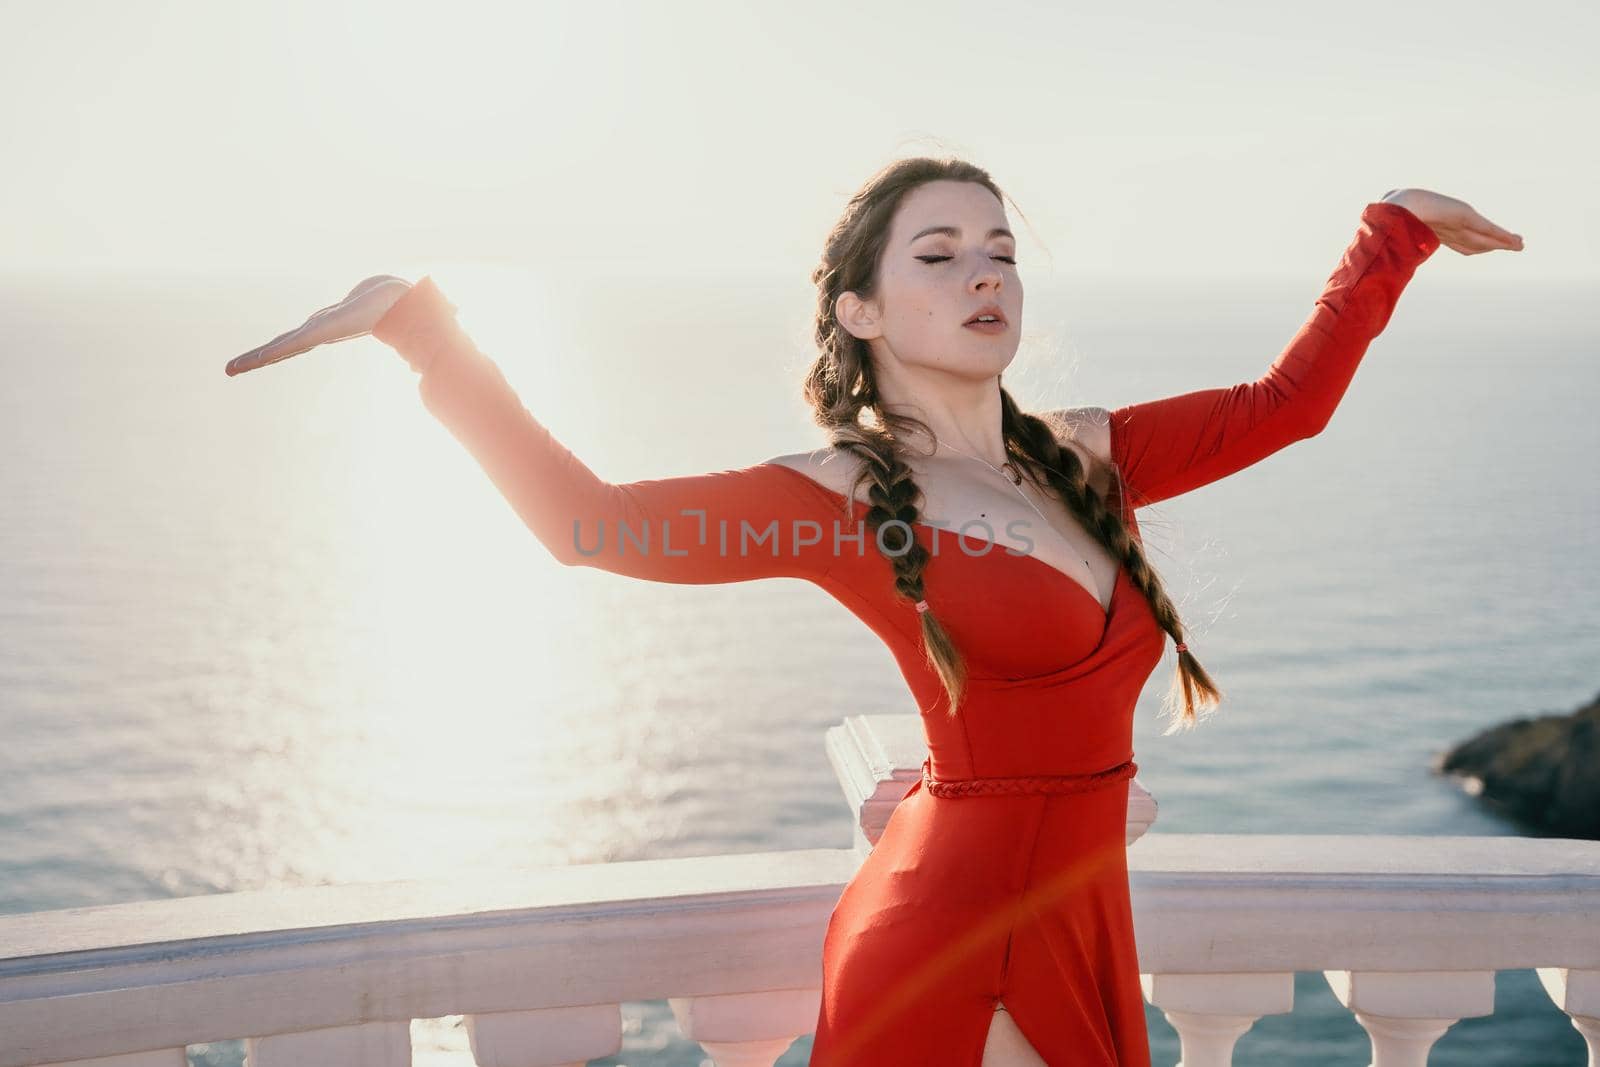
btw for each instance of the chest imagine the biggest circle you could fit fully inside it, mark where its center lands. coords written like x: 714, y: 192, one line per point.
x: 994, y: 515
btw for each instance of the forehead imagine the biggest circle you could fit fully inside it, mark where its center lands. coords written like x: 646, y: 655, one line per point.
x: 967, y: 205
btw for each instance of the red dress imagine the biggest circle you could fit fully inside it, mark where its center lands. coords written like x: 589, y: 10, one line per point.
x: 1002, y: 874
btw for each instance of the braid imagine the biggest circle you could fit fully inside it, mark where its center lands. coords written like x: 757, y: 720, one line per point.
x: 1065, y: 474
x: 840, y: 386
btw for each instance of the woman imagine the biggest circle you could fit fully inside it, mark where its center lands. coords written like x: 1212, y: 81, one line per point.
x: 991, y: 923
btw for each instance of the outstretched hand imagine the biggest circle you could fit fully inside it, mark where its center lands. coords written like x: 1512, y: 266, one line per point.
x: 354, y: 316
x: 1454, y: 221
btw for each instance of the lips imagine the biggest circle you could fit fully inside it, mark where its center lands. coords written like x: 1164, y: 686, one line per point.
x: 990, y: 309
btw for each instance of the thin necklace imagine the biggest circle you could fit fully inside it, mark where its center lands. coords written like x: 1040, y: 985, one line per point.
x: 1009, y: 472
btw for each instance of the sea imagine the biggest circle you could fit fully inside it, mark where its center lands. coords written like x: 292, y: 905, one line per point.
x: 280, y: 630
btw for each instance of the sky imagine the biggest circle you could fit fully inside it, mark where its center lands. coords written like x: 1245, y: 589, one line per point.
x: 1164, y: 140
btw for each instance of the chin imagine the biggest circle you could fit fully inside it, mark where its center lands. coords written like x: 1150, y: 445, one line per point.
x: 992, y: 356
x: 985, y: 367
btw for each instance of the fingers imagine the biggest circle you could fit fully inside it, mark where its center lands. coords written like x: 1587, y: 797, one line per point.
x: 1508, y: 240
x: 1493, y: 237
x: 280, y: 338
x: 1474, y: 242
x: 1478, y: 234
x: 1481, y: 228
x: 264, y: 356
x: 247, y: 362
x: 1469, y: 243
x: 1502, y: 237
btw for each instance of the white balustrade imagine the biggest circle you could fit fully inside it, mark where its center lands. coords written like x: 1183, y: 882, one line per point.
x: 1408, y: 931
x: 747, y: 1029
x: 160, y: 974
x: 545, y: 1037
x: 1405, y: 1012
x: 386, y: 1044
x: 1212, y: 1011
x: 1578, y: 994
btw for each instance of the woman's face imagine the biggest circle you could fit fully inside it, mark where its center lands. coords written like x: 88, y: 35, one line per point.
x: 931, y: 283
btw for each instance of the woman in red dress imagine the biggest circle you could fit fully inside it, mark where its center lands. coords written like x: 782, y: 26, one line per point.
x: 997, y: 554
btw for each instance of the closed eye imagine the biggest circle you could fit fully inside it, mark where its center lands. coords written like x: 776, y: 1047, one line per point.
x: 940, y: 259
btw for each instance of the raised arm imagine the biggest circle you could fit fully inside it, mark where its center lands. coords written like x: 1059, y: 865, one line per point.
x: 1170, y: 446
x: 724, y: 526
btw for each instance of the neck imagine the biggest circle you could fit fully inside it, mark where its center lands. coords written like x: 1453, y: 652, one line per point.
x: 963, y: 413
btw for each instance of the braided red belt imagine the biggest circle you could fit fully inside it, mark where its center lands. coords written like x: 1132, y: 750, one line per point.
x: 1044, y: 783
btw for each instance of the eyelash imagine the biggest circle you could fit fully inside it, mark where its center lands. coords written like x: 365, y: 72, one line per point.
x: 940, y: 259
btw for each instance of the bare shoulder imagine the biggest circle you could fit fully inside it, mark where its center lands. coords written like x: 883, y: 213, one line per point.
x: 1085, y: 430
x: 1088, y: 429
x: 827, y: 466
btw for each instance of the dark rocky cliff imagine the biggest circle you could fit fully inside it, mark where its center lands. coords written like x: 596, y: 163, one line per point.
x: 1542, y: 772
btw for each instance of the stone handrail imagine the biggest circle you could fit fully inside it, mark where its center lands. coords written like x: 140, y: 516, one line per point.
x: 1408, y: 931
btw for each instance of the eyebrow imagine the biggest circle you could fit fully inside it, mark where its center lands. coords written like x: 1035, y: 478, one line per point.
x: 951, y: 231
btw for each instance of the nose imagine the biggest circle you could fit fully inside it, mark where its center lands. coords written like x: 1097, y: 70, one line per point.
x: 987, y: 274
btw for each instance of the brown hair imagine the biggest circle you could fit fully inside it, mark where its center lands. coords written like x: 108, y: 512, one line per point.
x: 842, y: 383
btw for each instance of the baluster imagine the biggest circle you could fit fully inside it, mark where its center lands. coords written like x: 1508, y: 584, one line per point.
x: 1578, y: 994
x: 1405, y: 1012
x: 376, y: 1044
x: 747, y: 1029
x: 1212, y: 1011
x: 546, y: 1037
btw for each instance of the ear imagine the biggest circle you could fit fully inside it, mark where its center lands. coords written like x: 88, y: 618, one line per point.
x: 858, y: 316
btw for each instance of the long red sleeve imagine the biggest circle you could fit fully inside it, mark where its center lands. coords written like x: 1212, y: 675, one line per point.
x: 724, y: 526
x: 1170, y: 446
